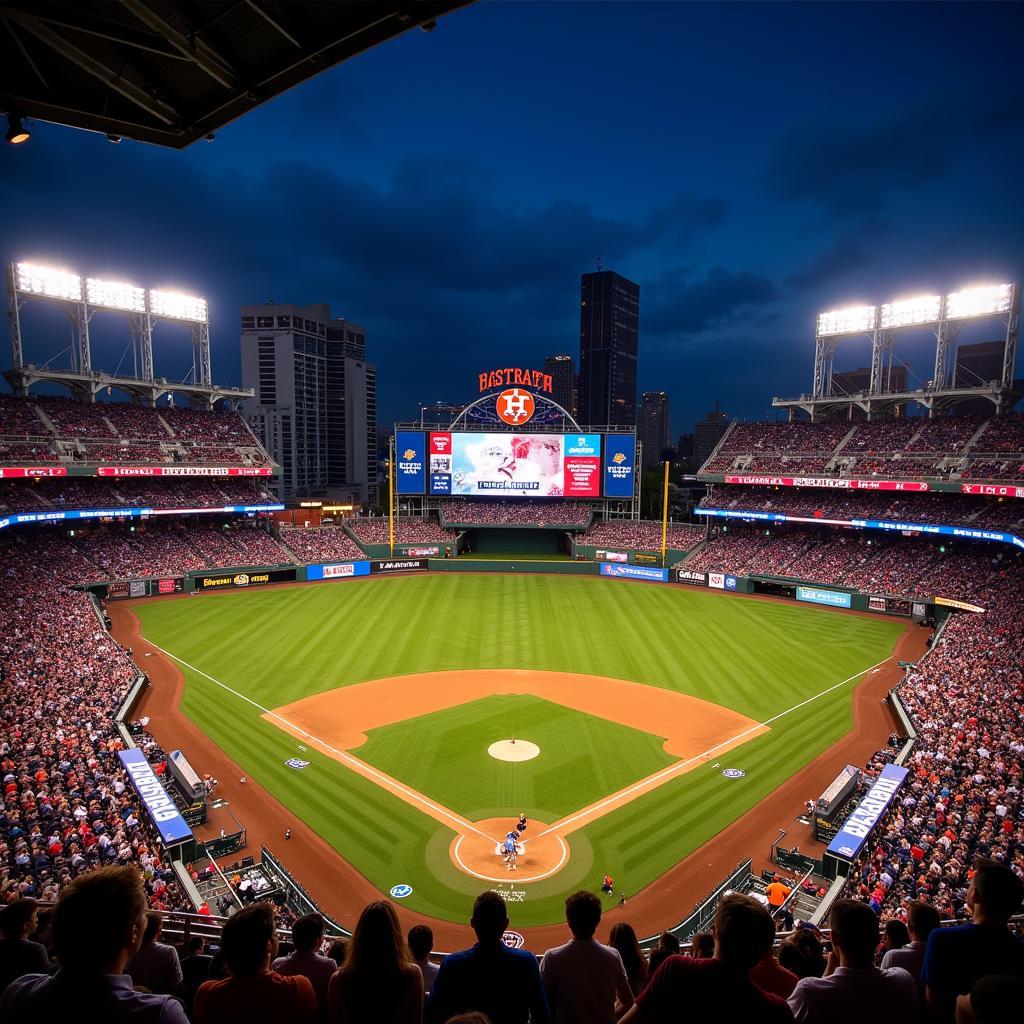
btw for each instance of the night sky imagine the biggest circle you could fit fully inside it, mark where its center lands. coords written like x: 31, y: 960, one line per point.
x: 748, y: 165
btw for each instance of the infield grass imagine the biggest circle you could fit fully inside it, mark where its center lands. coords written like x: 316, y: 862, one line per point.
x: 279, y: 645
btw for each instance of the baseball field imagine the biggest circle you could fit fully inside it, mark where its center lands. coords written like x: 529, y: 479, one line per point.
x: 646, y: 719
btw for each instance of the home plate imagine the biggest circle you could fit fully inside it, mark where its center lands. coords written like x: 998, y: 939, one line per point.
x: 513, y: 750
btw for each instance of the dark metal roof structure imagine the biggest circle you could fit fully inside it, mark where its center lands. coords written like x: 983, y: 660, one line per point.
x: 170, y: 72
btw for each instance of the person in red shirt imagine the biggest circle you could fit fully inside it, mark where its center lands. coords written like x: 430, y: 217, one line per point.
x: 717, y: 989
x: 253, y: 992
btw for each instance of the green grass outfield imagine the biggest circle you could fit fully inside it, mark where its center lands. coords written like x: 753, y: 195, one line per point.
x: 276, y: 646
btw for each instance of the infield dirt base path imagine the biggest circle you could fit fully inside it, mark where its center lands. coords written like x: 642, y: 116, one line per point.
x: 342, y: 891
x: 337, y: 721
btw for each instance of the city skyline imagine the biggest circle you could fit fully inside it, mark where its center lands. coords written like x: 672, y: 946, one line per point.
x: 418, y: 207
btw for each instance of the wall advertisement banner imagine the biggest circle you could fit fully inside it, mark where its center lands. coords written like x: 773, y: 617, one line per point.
x: 716, y: 580
x: 137, y: 588
x: 170, y: 586
x: 158, y: 803
x: 507, y: 465
x: 634, y: 572
x: 431, y: 552
x: 832, y: 483
x: 20, y: 472
x: 410, y: 462
x: 379, y: 565
x: 993, y: 490
x: 619, y: 465
x: 222, y: 580
x: 117, y: 590
x: 814, y: 595
x: 699, y: 579
x: 876, y: 604
x: 611, y: 556
x: 852, y: 837
x: 642, y: 558
x: 338, y: 570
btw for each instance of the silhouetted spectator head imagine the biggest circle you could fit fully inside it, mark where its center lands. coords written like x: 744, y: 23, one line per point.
x: 666, y: 940
x: 196, y: 946
x: 307, y: 933
x: 421, y: 941
x: 995, y: 889
x: 154, y: 927
x: 854, y: 932
x: 377, y: 947
x: 702, y: 946
x: 895, y: 935
x: 337, y: 951
x: 99, y: 921
x: 992, y: 1000
x: 18, y: 919
x: 248, y: 940
x: 744, y: 931
x: 922, y: 920
x: 802, y: 954
x: 583, y: 914
x: 490, y: 917
x: 472, y: 1017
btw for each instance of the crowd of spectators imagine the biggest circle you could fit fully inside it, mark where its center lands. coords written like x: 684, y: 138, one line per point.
x: 641, y: 534
x: 408, y: 529
x: 321, y: 544
x: 521, y: 512
x: 900, y: 448
x: 122, y: 433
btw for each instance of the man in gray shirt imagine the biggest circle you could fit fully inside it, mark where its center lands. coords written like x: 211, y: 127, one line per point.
x: 156, y: 967
x: 584, y: 978
x: 922, y: 920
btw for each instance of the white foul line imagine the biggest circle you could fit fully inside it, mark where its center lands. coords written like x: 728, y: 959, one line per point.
x: 678, y: 767
x: 360, y: 767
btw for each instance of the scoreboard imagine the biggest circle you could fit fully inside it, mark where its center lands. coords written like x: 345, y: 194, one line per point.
x: 515, y: 464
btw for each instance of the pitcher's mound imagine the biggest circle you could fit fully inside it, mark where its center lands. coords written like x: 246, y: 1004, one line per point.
x: 519, y: 750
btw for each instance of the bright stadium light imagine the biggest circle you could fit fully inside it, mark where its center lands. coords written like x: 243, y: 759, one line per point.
x: 115, y: 295
x: 921, y: 309
x: 49, y: 281
x: 982, y: 301
x: 177, y: 306
x: 852, y: 320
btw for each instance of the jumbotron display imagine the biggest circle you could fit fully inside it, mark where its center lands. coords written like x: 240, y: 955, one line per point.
x: 515, y: 465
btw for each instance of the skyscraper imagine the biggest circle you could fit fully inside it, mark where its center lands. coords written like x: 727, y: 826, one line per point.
x: 563, y: 381
x: 315, y: 408
x: 609, y: 332
x: 653, y: 430
x: 706, y: 435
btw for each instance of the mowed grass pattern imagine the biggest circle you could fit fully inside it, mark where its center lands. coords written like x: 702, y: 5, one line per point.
x: 277, y: 646
x: 582, y: 758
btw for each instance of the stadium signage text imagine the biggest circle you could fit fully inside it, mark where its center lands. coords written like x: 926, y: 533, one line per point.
x: 183, y: 471
x: 833, y: 598
x: 829, y: 482
x: 338, y: 570
x: 17, y: 518
x: 851, y: 838
x: 964, y: 606
x: 634, y: 572
x: 611, y: 556
x: 245, y: 579
x: 17, y: 472
x: 512, y: 377
x: 395, y: 565
x: 169, y: 823
x: 689, y: 576
x: 993, y: 490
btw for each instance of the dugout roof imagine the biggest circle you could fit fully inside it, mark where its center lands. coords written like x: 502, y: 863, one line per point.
x: 170, y: 73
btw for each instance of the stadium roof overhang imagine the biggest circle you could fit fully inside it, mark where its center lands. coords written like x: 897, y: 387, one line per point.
x: 170, y: 73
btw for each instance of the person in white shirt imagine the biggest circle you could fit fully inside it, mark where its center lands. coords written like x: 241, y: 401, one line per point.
x: 853, y: 990
x: 306, y: 959
x: 584, y: 979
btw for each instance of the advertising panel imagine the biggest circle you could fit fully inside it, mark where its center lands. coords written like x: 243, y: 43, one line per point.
x: 619, y: 465
x: 611, y: 556
x: 169, y: 586
x: 117, y: 590
x: 583, y: 465
x: 851, y: 838
x: 164, y: 815
x: 994, y: 490
x: 645, y: 559
x: 730, y: 582
x: 832, y: 483
x: 876, y: 604
x: 398, y: 565
x: 137, y: 588
x: 833, y: 598
x: 19, y: 472
x: 440, y: 482
x: 716, y: 580
x: 183, y: 471
x: 698, y: 579
x: 431, y: 552
x: 963, y: 606
x: 220, y: 580
x: 508, y: 465
x: 410, y: 462
x: 338, y: 570
x: 634, y: 572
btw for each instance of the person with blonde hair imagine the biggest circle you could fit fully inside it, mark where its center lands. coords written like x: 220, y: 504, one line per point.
x: 379, y: 982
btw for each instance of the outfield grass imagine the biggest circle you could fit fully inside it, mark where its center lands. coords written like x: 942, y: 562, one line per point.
x: 276, y: 646
x: 582, y: 758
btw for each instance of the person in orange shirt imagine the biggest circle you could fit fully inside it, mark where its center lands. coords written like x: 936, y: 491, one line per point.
x: 253, y: 992
x: 777, y: 892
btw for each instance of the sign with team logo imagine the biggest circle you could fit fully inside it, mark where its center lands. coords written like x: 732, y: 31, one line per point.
x: 619, y: 465
x: 400, y: 892
x: 297, y: 763
x: 716, y: 580
x: 513, y: 940
x: 410, y: 461
x: 734, y: 773
x: 515, y: 406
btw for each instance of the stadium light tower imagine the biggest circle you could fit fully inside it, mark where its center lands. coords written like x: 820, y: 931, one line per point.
x: 832, y: 327
x: 193, y: 310
x: 26, y: 280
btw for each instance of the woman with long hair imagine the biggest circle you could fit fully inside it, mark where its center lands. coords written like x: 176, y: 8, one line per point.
x: 378, y: 983
x: 623, y: 938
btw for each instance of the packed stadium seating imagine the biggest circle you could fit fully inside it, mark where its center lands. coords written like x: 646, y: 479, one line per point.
x: 47, y: 428
x: 954, y: 446
x: 519, y: 513
x: 641, y: 534
x: 322, y: 544
x: 408, y: 529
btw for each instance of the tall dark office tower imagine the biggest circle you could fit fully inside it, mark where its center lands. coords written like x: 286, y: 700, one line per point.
x: 707, y: 433
x: 653, y: 425
x: 609, y: 330
x: 563, y: 381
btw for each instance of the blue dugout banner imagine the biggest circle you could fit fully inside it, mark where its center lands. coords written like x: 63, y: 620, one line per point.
x: 850, y: 840
x: 893, y: 526
x: 165, y: 817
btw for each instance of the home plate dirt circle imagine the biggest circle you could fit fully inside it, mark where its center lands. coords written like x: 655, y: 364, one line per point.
x: 543, y: 855
x: 513, y: 750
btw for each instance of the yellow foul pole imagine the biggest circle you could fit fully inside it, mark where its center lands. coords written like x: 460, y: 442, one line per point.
x: 391, y: 495
x: 664, y: 516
